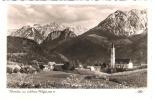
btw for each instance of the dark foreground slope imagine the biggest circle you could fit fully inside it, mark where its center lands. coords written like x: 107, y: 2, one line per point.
x: 22, y: 50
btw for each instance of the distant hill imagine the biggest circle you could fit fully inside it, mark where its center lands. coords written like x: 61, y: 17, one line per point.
x: 21, y: 45
x: 23, y: 50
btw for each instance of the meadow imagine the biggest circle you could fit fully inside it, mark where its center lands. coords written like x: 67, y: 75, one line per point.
x: 59, y: 79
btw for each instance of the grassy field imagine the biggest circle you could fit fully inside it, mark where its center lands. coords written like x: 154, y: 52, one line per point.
x: 134, y: 79
x: 58, y: 79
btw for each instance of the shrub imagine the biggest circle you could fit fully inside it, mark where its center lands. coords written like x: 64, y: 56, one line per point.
x: 41, y: 67
x: 32, y: 70
x: 9, y: 70
x: 90, y: 77
x: 68, y: 66
x: 108, y: 70
x: 119, y: 69
x: 65, y: 66
x: 16, y: 70
x: 58, y: 68
x: 38, y: 69
x: 27, y: 70
x: 24, y: 70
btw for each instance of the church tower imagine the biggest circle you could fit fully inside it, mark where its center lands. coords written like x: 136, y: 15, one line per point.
x: 112, y: 60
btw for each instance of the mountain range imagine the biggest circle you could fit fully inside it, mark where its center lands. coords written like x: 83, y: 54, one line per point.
x: 126, y: 29
x: 39, y: 32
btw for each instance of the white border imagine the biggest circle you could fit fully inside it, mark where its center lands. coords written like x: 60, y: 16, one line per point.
x: 126, y: 94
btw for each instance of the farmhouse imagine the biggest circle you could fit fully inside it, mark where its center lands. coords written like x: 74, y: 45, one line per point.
x: 53, y: 66
x: 94, y: 68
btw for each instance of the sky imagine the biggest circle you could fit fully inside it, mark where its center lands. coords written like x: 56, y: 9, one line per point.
x: 87, y: 16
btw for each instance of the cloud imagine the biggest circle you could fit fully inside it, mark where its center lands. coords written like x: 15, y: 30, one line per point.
x: 86, y: 15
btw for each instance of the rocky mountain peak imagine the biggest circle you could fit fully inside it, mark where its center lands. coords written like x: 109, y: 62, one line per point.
x: 119, y: 12
x: 29, y: 33
x: 123, y: 23
x: 67, y: 33
x: 39, y: 32
x: 63, y: 35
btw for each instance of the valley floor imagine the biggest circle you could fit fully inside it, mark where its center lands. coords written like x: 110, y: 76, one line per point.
x: 58, y: 79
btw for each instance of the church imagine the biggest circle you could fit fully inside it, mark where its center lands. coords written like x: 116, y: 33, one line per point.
x: 119, y: 63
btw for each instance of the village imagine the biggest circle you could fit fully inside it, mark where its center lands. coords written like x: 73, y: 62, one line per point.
x: 115, y: 65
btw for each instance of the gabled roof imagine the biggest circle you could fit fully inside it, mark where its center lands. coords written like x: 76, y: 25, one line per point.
x: 122, y: 61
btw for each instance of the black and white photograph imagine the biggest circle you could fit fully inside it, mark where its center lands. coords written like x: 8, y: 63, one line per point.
x: 68, y: 46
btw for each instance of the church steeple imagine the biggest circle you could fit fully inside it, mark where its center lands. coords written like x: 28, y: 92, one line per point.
x: 112, y: 45
x: 112, y: 60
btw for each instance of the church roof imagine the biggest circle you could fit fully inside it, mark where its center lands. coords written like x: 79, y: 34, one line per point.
x: 122, y: 61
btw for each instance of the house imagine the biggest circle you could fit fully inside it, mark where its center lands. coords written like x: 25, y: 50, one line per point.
x: 123, y: 63
x: 91, y: 68
x: 58, y: 67
x: 46, y: 68
x: 51, y: 65
x: 94, y: 68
